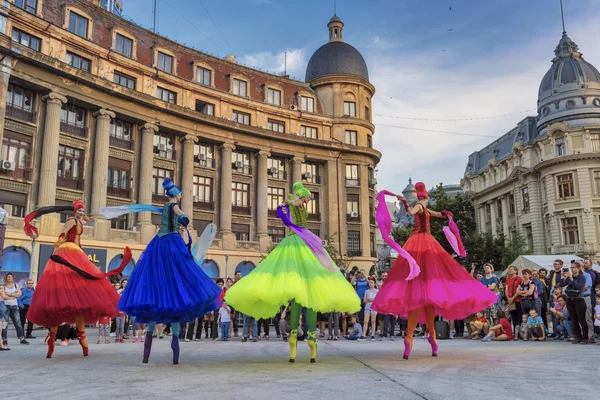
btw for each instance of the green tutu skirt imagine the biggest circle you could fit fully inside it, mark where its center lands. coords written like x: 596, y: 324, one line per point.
x: 292, y: 272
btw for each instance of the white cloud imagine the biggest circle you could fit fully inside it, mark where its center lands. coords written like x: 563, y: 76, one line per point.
x: 276, y: 62
x: 460, y: 83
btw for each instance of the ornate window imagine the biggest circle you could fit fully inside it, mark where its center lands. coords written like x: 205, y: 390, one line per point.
x: 565, y: 186
x: 570, y: 230
x: 561, y: 148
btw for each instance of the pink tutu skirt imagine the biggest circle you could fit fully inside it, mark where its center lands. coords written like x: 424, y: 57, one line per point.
x: 443, y: 283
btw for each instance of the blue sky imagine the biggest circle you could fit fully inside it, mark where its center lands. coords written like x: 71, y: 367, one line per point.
x: 481, y: 58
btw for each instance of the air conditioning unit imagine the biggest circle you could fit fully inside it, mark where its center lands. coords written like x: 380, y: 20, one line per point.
x: 293, y: 107
x: 161, y: 147
x: 273, y: 171
x: 307, y: 175
x: 6, y: 165
x: 237, y: 164
x: 295, y: 133
x: 372, y: 181
x: 354, y: 214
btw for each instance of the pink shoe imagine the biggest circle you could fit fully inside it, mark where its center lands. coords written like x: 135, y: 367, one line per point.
x: 135, y: 339
x: 142, y: 339
x: 434, y: 346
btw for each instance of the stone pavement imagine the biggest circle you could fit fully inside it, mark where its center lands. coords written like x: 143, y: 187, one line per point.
x: 464, y: 369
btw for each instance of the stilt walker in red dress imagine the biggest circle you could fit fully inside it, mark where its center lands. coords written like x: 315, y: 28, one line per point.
x: 71, y: 289
x: 442, y: 287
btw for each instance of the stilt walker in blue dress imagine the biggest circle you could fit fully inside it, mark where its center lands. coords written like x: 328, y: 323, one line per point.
x: 167, y: 285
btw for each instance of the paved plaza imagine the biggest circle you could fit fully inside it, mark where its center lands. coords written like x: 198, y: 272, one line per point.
x: 464, y: 369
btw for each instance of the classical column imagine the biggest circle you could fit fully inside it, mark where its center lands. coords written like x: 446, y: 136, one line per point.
x: 49, y: 165
x: 100, y: 173
x: 6, y: 65
x: 505, y: 227
x: 297, y: 169
x: 225, y: 197
x: 482, y: 219
x: 493, y: 217
x: 262, y: 217
x: 145, y: 180
x: 365, y: 224
x: 187, y: 177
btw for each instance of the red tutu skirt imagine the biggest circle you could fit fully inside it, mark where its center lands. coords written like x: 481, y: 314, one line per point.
x: 443, y: 283
x: 62, y: 294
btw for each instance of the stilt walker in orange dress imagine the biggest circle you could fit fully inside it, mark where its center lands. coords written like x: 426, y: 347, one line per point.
x: 71, y: 289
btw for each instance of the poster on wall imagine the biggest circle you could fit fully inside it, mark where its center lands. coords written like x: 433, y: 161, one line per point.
x: 96, y: 256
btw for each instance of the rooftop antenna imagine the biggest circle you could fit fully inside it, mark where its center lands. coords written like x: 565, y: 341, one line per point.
x: 335, y: 7
x: 154, y: 14
x: 562, y: 15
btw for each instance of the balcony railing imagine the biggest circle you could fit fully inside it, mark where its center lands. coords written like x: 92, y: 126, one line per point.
x: 204, y: 205
x: 241, y: 210
x: 121, y: 143
x: 74, y: 130
x: 354, y: 253
x: 69, y: 183
x: 118, y: 192
x: 244, y: 169
x: 352, y: 182
x: 277, y: 175
x: 585, y: 248
x: 207, y: 163
x: 315, y: 179
x: 314, y: 217
x: 272, y: 213
x: 19, y: 113
x: 19, y: 173
x: 159, y: 198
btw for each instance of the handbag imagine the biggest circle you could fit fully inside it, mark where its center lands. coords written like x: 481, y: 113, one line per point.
x: 512, y: 306
x: 526, y: 303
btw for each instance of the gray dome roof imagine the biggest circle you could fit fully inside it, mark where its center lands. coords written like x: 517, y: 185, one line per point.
x: 335, y: 58
x: 571, y: 88
x: 568, y: 67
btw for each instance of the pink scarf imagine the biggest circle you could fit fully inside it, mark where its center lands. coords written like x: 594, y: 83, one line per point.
x: 385, y: 226
x: 453, y: 236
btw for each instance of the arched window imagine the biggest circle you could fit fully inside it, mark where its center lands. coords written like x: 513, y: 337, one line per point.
x: 211, y: 269
x: 116, y: 261
x: 245, y: 267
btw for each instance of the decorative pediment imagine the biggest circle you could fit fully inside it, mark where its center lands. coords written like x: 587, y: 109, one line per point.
x: 559, y: 127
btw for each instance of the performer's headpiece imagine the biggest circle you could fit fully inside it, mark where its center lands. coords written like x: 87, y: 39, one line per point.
x: 170, y: 189
x: 300, y: 190
x: 31, y: 230
x: 78, y: 205
x: 421, y: 191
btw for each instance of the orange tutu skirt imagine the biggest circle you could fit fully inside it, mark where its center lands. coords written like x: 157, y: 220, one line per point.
x: 62, y: 294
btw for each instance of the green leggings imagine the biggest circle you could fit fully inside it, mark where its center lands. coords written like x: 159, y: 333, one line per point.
x: 311, y: 317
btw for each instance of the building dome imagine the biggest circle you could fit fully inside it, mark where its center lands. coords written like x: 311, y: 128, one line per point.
x: 336, y: 57
x: 570, y: 87
x: 409, y: 192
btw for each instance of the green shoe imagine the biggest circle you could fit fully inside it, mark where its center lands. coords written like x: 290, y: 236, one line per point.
x: 312, y: 345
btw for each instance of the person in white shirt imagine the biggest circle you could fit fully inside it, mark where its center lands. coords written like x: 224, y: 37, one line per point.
x: 225, y: 321
x: 370, y: 314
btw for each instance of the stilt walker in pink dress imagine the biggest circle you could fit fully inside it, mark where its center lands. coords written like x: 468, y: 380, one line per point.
x: 442, y: 287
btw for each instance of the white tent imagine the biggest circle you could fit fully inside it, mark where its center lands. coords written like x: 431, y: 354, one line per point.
x: 537, y: 262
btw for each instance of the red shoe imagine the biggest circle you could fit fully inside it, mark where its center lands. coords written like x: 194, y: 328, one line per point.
x: 51, y: 339
x: 83, y: 342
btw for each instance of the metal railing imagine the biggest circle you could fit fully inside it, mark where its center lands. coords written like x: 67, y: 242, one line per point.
x: 121, y: 143
x: 74, y: 130
x: 19, y: 113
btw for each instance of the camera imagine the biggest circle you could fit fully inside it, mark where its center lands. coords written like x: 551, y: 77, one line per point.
x: 565, y: 269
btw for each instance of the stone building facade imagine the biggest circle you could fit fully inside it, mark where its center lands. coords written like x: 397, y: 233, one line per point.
x: 542, y: 179
x: 97, y: 108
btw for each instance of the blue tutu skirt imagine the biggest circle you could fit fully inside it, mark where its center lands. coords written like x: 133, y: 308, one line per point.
x: 167, y: 286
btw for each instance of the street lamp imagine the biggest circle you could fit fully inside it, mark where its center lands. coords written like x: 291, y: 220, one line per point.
x: 32, y: 258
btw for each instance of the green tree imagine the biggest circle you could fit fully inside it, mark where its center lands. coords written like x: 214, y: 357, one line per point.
x: 401, y: 234
x: 514, y: 247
